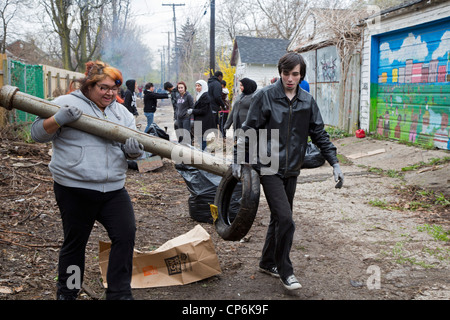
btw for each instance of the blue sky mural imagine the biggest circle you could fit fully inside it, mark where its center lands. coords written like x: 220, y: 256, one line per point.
x: 420, y: 57
x: 413, y: 85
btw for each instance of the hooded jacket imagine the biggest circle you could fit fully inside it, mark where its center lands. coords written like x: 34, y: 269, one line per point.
x: 150, y: 100
x: 240, y: 108
x: 184, y: 103
x: 83, y: 160
x: 215, y: 94
x: 295, y: 119
x: 130, y: 97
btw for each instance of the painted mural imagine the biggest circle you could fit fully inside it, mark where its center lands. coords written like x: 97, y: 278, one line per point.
x: 413, y: 89
x: 328, y: 65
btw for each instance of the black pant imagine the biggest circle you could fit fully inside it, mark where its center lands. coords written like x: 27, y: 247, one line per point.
x: 79, y: 209
x: 279, y: 194
x: 184, y: 136
x: 223, y: 116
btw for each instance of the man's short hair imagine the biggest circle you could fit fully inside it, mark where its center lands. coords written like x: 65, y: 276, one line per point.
x: 218, y: 74
x: 148, y: 85
x: 167, y: 85
x: 289, y: 61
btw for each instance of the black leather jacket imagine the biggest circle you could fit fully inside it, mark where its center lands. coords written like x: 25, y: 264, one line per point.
x: 296, y: 120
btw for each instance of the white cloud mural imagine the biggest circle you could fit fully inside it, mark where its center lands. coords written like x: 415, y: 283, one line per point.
x: 444, y: 46
x: 411, y: 47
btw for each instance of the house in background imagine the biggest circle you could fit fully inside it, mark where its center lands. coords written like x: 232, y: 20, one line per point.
x: 257, y: 59
x: 28, y: 52
x: 405, y: 73
x: 337, y: 95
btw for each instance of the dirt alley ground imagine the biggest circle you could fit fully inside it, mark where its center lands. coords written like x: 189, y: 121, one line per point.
x: 346, y: 247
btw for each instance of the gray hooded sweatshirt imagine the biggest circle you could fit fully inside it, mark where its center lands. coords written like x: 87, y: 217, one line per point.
x: 80, y: 159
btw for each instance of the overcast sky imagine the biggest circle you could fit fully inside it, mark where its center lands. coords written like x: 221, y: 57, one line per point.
x: 156, y: 20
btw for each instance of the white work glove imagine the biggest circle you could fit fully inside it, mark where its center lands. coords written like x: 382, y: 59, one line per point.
x: 67, y: 114
x: 338, y: 175
x: 236, y: 169
x: 133, y: 148
x: 189, y: 112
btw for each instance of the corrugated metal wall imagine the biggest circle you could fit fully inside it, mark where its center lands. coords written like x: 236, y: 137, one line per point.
x: 323, y: 72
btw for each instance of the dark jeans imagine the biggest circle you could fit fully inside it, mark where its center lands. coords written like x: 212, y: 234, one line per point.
x: 279, y: 194
x: 223, y: 116
x: 184, y: 136
x: 79, y: 209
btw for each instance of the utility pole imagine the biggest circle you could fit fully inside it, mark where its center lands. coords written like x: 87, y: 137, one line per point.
x: 175, y: 33
x: 212, y: 39
x: 168, y: 56
x: 163, y: 68
x: 162, y: 65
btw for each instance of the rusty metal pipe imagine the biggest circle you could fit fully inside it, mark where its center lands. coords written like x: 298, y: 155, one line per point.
x: 11, y: 97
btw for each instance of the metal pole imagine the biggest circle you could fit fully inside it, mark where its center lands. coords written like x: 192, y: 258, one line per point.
x: 175, y: 35
x: 212, y: 39
x: 11, y: 97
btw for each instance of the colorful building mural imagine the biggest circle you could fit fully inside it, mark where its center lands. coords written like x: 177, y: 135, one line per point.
x: 413, y: 85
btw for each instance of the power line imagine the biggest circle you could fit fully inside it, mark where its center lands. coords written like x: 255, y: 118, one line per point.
x: 175, y: 31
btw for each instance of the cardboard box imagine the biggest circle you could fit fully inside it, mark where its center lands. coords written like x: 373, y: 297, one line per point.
x: 149, y: 164
x: 188, y: 258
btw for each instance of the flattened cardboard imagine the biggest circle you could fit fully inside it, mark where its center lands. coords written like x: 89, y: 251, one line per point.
x: 149, y: 164
x: 185, y: 259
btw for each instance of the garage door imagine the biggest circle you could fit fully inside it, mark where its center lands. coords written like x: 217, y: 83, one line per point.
x: 413, y: 92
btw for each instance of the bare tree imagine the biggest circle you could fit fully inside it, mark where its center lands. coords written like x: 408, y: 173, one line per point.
x: 88, y: 34
x: 8, y: 10
x: 231, y: 18
x: 283, y: 16
x: 78, y: 24
x: 59, y: 13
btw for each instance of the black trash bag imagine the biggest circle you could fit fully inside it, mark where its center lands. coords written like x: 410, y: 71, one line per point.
x: 132, y: 165
x: 155, y: 130
x: 313, y: 157
x: 202, y: 186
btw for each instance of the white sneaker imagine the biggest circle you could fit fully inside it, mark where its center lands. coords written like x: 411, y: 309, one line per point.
x: 291, y: 283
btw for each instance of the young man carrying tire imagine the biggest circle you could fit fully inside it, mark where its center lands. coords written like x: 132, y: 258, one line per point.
x: 294, y: 114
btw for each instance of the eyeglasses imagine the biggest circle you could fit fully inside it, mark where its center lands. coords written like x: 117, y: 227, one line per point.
x: 105, y: 89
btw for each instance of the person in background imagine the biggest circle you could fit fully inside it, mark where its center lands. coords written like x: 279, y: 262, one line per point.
x: 292, y: 113
x: 130, y: 97
x: 241, y: 105
x: 215, y: 95
x: 89, y: 176
x: 223, y: 113
x: 150, y: 102
x: 202, y: 112
x: 184, y: 102
x: 173, y: 93
x: 304, y: 85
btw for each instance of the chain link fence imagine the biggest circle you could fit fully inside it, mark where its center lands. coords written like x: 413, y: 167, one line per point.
x: 29, y: 79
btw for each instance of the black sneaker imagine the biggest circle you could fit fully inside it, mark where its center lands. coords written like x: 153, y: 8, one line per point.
x: 272, y: 271
x: 291, y: 283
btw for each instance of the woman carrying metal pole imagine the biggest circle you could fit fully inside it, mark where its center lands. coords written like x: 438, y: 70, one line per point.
x: 89, y: 176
